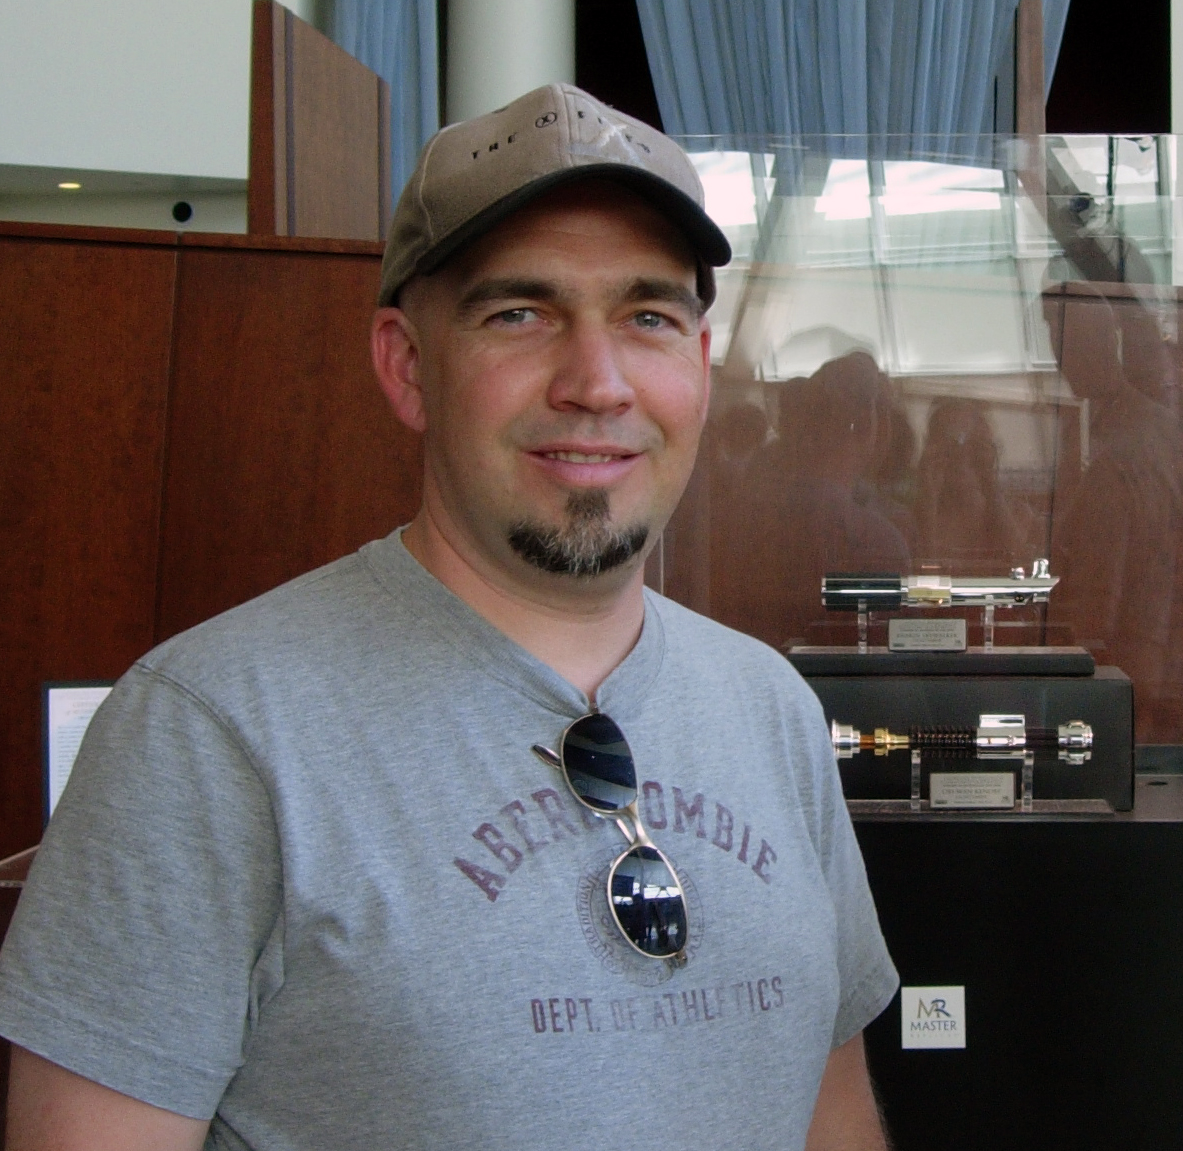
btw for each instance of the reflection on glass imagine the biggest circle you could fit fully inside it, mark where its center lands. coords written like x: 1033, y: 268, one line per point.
x: 964, y: 519
x: 1117, y: 538
x: 951, y: 363
x: 647, y: 902
x: 810, y: 502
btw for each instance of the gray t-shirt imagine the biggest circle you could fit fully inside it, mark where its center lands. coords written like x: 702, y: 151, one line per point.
x: 309, y: 879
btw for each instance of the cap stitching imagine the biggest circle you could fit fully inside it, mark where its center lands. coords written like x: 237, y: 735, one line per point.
x: 423, y: 179
x: 567, y: 100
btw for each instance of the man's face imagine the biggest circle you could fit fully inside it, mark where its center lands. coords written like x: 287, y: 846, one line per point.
x: 563, y: 364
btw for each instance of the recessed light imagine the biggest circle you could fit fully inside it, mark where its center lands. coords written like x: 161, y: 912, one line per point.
x: 70, y: 186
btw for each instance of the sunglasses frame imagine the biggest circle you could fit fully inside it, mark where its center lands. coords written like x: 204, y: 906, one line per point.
x: 632, y: 829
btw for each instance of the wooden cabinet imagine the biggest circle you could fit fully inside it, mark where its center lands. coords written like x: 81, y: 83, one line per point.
x: 185, y: 422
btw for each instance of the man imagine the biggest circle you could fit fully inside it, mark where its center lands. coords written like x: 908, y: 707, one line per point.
x: 311, y: 886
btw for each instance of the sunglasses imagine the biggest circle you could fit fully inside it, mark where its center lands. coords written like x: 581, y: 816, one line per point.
x: 644, y: 892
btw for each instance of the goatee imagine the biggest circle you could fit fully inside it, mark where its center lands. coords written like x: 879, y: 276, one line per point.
x: 586, y: 545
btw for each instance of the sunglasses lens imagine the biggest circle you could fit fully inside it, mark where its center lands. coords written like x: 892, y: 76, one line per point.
x: 647, y: 901
x: 598, y: 763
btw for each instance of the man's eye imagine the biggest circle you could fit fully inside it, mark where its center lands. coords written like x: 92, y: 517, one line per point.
x: 650, y: 320
x: 515, y: 316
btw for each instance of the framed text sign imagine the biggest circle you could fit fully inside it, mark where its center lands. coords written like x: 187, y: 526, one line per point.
x: 67, y: 708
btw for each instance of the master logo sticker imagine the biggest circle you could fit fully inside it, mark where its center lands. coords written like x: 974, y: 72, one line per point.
x: 932, y: 1017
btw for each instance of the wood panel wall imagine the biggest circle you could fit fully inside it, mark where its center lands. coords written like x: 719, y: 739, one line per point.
x: 1030, y: 117
x: 185, y: 422
x: 320, y: 135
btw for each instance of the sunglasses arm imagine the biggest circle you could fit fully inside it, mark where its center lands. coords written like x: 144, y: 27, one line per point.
x: 550, y: 758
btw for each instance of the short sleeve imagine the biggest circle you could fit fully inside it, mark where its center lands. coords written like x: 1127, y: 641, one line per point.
x: 131, y: 958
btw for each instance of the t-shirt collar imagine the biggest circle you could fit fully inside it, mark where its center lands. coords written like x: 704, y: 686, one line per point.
x: 621, y: 694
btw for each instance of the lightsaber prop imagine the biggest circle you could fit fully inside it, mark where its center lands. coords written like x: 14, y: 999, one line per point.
x: 865, y: 592
x: 994, y: 733
x: 874, y: 591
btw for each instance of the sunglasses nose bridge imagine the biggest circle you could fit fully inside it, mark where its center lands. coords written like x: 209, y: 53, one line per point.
x: 636, y: 833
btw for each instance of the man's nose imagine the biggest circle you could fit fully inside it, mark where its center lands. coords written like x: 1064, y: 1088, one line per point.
x: 589, y: 374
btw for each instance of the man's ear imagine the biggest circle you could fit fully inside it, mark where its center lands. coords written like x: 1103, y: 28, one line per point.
x: 394, y: 346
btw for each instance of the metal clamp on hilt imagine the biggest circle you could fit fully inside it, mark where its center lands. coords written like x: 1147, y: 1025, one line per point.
x: 995, y: 734
x: 1075, y: 735
x: 883, y: 591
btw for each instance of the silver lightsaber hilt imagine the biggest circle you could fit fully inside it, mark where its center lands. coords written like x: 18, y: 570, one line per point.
x: 883, y: 591
x: 994, y: 734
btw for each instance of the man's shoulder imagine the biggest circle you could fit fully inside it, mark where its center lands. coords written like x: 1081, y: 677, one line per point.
x: 299, y: 622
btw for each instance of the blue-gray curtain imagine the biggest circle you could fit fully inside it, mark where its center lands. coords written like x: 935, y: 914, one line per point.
x: 922, y: 69
x: 398, y: 39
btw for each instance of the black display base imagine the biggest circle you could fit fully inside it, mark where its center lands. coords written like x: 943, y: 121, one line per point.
x: 1066, y: 937
x: 811, y: 661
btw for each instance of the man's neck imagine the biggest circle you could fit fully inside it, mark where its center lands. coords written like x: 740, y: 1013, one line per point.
x: 582, y: 637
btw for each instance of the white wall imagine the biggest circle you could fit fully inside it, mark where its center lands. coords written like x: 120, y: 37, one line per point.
x: 307, y: 10
x: 212, y: 211
x: 498, y: 49
x: 129, y: 86
x: 318, y: 13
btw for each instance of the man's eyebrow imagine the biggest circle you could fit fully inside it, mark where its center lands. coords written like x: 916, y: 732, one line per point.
x: 508, y: 289
x: 639, y: 291
x: 667, y: 291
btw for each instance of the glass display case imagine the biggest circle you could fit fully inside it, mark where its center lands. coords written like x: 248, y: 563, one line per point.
x: 947, y: 363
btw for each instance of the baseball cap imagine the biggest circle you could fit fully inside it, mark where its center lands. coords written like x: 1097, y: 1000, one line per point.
x: 473, y: 174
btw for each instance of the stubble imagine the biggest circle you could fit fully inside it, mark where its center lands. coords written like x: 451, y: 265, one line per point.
x: 585, y: 545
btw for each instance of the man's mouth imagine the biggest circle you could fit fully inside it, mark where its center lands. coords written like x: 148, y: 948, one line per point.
x: 585, y: 457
